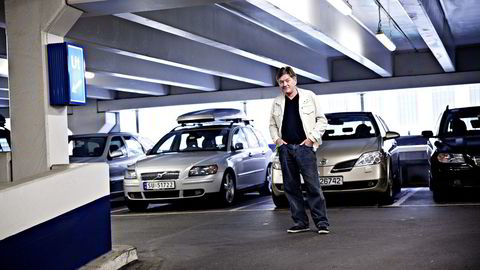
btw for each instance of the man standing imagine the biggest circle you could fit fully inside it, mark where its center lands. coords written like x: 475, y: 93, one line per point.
x: 296, y: 126
x: 4, y: 132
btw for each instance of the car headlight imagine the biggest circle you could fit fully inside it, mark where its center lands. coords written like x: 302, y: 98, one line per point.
x: 369, y: 158
x: 130, y: 174
x: 203, y: 170
x: 450, y: 158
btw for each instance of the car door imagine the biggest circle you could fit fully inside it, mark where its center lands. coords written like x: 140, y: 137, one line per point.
x: 240, y: 157
x: 117, y: 165
x: 256, y: 158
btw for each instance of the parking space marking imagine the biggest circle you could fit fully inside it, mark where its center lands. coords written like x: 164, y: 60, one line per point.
x: 118, y: 210
x: 190, y: 212
x: 437, y: 205
x: 410, y: 193
x: 248, y: 205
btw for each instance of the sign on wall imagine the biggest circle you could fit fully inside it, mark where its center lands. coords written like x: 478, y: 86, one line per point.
x: 66, y: 71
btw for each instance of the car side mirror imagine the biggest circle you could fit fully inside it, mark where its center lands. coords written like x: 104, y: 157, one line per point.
x: 116, y: 154
x: 391, y: 135
x: 427, y: 133
x: 238, y: 146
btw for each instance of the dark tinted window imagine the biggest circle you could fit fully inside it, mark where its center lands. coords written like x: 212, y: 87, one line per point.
x: 117, y: 144
x: 87, y: 146
x: 188, y: 140
x: 460, y: 122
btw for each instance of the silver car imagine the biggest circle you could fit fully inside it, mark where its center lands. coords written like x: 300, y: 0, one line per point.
x: 354, y: 157
x: 213, y: 152
x: 118, y: 149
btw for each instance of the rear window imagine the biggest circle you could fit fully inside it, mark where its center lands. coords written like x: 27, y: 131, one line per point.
x: 344, y: 127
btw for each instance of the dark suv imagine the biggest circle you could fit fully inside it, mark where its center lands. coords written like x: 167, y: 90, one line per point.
x: 455, y: 161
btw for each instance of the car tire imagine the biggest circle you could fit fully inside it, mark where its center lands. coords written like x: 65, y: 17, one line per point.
x: 280, y: 201
x: 136, y: 206
x: 266, y: 188
x: 227, y: 190
x: 388, y: 196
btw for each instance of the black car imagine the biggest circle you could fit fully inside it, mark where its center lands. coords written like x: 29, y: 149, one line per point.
x: 455, y: 161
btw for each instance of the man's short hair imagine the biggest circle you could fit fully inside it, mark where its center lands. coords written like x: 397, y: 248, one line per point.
x: 2, y: 118
x: 285, y: 70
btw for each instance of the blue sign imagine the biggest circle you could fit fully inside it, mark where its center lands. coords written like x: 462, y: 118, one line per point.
x: 76, y: 74
x: 66, y: 73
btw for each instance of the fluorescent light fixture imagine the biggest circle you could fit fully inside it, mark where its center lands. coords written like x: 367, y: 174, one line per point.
x: 89, y: 75
x: 386, y: 41
x: 3, y: 67
x: 342, y: 5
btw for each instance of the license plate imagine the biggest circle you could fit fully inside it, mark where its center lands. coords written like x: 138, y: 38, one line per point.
x: 156, y: 185
x: 330, y: 180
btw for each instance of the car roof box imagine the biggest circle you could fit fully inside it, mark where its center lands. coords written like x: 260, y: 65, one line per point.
x: 210, y: 115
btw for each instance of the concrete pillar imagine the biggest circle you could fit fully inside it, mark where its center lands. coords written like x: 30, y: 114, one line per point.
x: 39, y: 131
x: 87, y: 119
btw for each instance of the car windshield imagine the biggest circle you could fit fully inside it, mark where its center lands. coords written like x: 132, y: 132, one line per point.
x: 190, y: 140
x: 345, y: 127
x: 86, y: 146
x: 461, y: 123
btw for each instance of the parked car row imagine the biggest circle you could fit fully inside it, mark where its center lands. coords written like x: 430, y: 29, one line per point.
x: 218, y: 153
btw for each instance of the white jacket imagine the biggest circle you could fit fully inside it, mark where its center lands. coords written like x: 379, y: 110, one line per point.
x: 313, y: 120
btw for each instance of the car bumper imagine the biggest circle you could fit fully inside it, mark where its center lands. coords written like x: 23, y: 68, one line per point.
x: 188, y: 188
x: 359, y: 179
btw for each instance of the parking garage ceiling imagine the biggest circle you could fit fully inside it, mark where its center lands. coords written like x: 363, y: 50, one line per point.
x: 148, y: 53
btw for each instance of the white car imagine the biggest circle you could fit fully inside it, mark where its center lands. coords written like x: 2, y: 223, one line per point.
x: 213, y: 152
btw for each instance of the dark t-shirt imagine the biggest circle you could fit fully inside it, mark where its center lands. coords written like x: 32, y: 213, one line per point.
x: 292, y: 127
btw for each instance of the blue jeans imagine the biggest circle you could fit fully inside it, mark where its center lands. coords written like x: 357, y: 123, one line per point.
x: 295, y: 160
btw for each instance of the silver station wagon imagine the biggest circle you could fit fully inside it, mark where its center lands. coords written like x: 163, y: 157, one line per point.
x: 354, y: 157
x: 212, y: 152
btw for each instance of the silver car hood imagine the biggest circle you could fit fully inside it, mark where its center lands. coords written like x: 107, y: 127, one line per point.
x: 335, y: 151
x: 179, y: 161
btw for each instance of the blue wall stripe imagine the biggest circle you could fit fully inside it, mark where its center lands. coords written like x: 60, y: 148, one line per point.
x: 68, y: 241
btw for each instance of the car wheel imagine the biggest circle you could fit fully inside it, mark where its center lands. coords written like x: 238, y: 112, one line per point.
x: 136, y: 206
x: 279, y: 201
x: 388, y: 196
x: 266, y: 188
x: 227, y: 189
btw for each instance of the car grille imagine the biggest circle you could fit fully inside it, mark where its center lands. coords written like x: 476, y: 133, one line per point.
x: 344, y: 166
x: 162, y: 194
x: 345, y: 186
x: 165, y: 175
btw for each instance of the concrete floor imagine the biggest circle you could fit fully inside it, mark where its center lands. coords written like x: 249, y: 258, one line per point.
x: 413, y: 233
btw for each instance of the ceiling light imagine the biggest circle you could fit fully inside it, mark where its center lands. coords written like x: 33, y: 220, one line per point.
x: 89, y: 75
x: 381, y: 35
x: 342, y: 5
x: 386, y: 41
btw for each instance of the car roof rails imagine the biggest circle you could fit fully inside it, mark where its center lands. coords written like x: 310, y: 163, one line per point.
x: 213, y: 115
